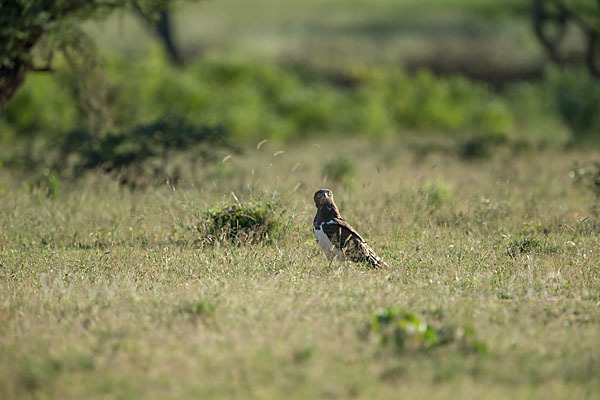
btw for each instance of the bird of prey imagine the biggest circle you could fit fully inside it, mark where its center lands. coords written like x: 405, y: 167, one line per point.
x: 336, y: 237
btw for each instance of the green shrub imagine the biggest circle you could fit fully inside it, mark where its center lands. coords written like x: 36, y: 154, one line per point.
x: 524, y: 246
x: 197, y: 309
x: 128, y: 151
x: 48, y: 183
x: 480, y: 147
x: 496, y: 120
x: 436, y: 194
x: 257, y: 101
x: 46, y: 105
x: 242, y: 223
x: 42, y: 370
x: 587, y: 176
x: 404, y: 331
x: 577, y: 98
x: 254, y: 101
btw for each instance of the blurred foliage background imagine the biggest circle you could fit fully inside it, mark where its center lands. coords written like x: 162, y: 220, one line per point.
x: 480, y: 73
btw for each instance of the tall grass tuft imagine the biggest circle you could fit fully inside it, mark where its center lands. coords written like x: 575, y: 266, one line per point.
x: 255, y: 222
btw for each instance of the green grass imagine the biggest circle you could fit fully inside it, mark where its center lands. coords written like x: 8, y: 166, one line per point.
x: 126, y: 285
x: 106, y: 291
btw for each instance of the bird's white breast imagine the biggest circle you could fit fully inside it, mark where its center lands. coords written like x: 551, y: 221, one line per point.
x: 322, y: 238
x: 324, y: 241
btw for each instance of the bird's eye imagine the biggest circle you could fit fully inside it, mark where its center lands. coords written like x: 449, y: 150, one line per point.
x: 319, y: 195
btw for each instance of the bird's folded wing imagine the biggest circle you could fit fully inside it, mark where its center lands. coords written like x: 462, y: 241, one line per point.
x: 340, y: 232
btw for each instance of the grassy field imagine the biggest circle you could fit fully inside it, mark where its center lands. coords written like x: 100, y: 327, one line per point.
x: 482, y: 198
x: 107, y: 292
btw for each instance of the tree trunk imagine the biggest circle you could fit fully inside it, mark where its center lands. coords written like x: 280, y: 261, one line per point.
x: 162, y: 27
x: 11, y: 78
x: 165, y: 32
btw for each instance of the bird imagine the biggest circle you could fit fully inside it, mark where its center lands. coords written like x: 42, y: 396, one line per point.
x: 338, y: 240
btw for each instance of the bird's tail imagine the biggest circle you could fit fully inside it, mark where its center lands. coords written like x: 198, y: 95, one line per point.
x: 377, y: 262
x: 373, y: 260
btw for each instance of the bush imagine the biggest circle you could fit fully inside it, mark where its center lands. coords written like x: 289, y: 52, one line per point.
x: 435, y: 194
x: 587, y: 176
x: 254, y: 101
x: 524, y: 246
x: 197, y: 309
x: 577, y: 98
x: 404, y: 331
x: 480, y: 147
x: 45, y: 105
x: 126, y: 152
x: 242, y: 223
x: 48, y: 183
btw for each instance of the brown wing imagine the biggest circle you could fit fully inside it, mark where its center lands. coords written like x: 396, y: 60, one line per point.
x: 340, y: 232
x: 360, y: 251
x: 345, y: 238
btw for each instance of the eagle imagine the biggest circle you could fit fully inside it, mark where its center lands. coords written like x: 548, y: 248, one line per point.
x: 338, y: 240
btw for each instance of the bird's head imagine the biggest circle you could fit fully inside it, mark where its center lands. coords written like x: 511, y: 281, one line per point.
x: 324, y: 197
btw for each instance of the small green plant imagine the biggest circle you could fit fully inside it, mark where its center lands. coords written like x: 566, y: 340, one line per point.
x: 253, y: 222
x: 481, y: 147
x: 524, y: 246
x: 303, y: 354
x: 42, y: 370
x: 436, y: 194
x: 404, y: 331
x: 340, y: 170
x: 48, y: 183
x: 197, y: 309
x: 587, y: 176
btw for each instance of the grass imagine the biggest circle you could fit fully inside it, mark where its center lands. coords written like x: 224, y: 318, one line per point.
x: 105, y: 291
x: 113, y: 290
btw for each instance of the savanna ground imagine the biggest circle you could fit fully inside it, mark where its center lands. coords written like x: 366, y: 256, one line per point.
x: 483, y: 199
x: 107, y: 291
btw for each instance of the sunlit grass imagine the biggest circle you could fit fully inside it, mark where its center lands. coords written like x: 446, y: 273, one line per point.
x: 107, y: 291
